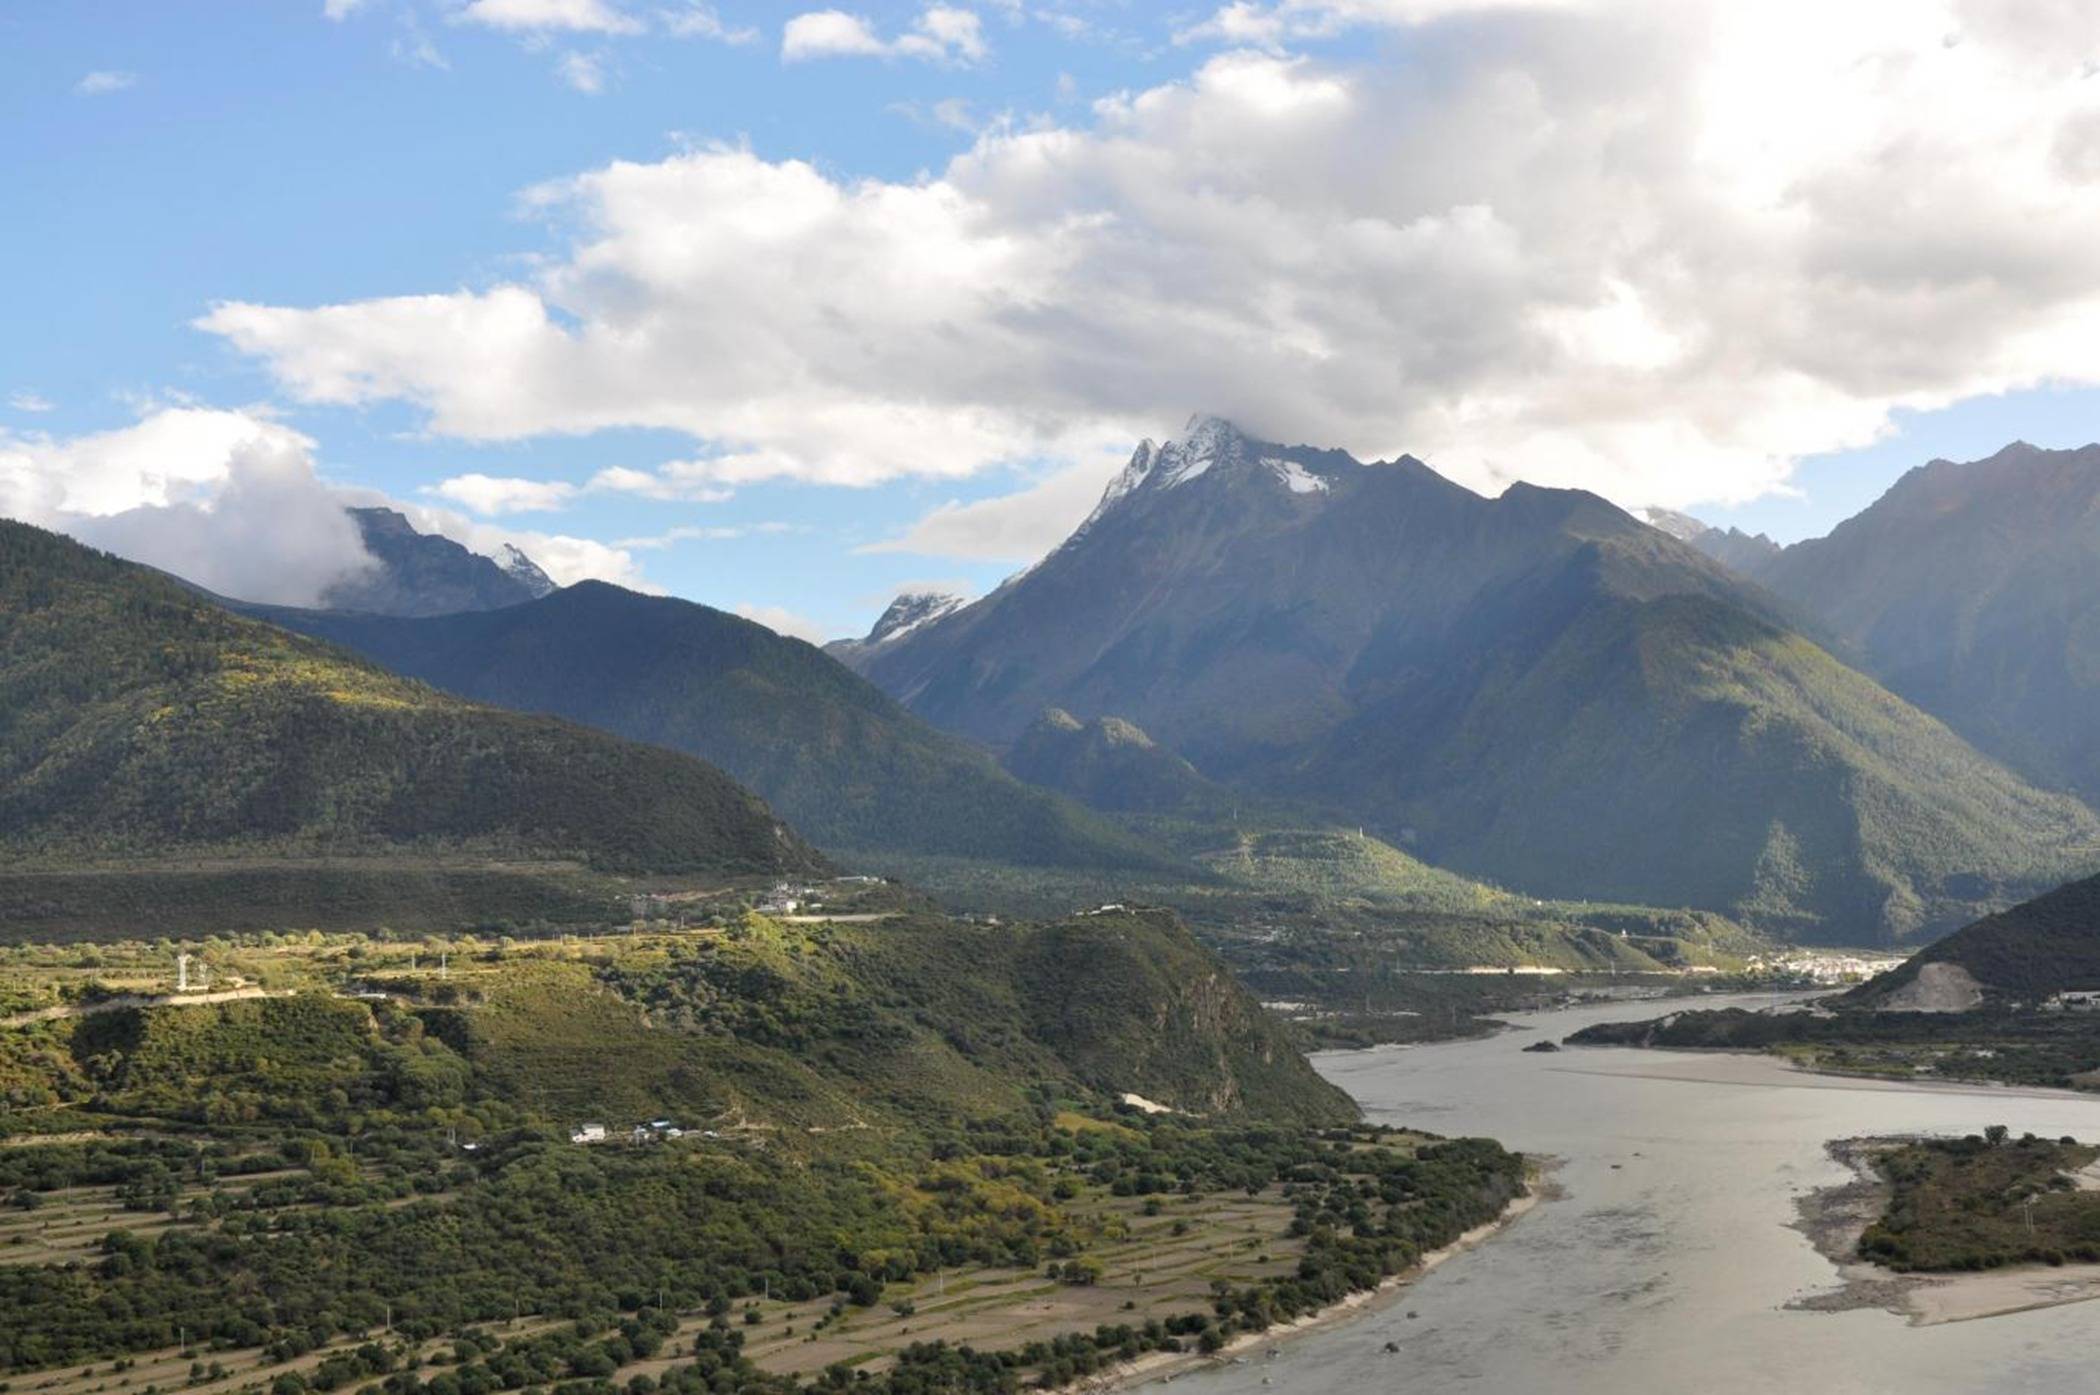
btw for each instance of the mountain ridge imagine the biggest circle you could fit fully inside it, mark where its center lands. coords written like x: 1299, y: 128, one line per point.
x: 1970, y: 588
x: 843, y: 762
x: 1383, y: 641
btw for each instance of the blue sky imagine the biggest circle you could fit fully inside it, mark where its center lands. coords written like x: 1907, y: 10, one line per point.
x: 165, y: 159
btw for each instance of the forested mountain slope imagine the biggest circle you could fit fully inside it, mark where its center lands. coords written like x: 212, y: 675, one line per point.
x: 838, y: 758
x: 139, y: 721
x: 1973, y: 590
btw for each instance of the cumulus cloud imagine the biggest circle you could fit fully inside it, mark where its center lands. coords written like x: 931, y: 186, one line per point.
x: 941, y: 34
x: 104, y: 81
x: 226, y: 499
x: 492, y: 494
x: 24, y: 400
x: 232, y: 500
x: 1584, y: 245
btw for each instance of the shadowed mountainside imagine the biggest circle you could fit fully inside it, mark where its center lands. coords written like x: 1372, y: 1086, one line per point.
x: 838, y: 758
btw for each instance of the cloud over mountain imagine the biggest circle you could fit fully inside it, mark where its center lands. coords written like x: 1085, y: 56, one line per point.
x: 232, y: 500
x: 1660, y: 250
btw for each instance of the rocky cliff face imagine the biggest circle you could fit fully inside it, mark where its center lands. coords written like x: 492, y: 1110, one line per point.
x: 423, y: 574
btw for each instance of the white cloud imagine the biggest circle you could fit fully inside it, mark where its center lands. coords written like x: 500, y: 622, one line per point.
x: 829, y: 34
x: 490, y: 494
x: 341, y: 9
x: 782, y: 621
x: 226, y: 499
x: 679, y: 480
x: 103, y: 81
x: 1270, y: 25
x: 948, y: 113
x: 563, y: 556
x: 1016, y: 527
x: 695, y: 20
x: 582, y: 71
x: 412, y: 47
x: 1586, y: 246
x: 539, y: 16
x: 23, y: 400
x: 941, y: 34
x: 232, y: 501
x: 727, y: 532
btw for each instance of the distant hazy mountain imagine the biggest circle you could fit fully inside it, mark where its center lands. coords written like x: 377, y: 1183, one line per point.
x: 1974, y: 591
x: 1731, y: 547
x: 841, y: 760
x: 139, y: 721
x: 424, y: 574
x: 1537, y: 687
x: 1109, y: 764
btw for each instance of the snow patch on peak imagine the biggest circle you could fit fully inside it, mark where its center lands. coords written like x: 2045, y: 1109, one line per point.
x: 525, y: 571
x: 1295, y: 477
x: 1206, y: 441
x: 1125, y: 483
x: 1205, y: 432
x: 1681, y: 526
x: 911, y: 610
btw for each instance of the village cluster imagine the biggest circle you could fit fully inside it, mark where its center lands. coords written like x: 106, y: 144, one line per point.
x: 653, y: 1131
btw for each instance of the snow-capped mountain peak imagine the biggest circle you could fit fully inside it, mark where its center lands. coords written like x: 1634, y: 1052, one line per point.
x: 909, y: 611
x: 525, y: 571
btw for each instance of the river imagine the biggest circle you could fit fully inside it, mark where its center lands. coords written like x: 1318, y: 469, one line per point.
x: 1667, y: 1263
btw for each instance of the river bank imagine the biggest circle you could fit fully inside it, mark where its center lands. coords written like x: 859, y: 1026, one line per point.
x: 1834, y: 1217
x: 1164, y: 1366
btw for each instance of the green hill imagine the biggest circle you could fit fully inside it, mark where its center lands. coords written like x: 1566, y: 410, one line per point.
x: 140, y: 722
x: 908, y: 1026
x: 2038, y: 948
x: 845, y: 764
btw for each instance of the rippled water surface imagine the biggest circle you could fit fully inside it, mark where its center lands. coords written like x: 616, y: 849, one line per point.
x: 1668, y: 1264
